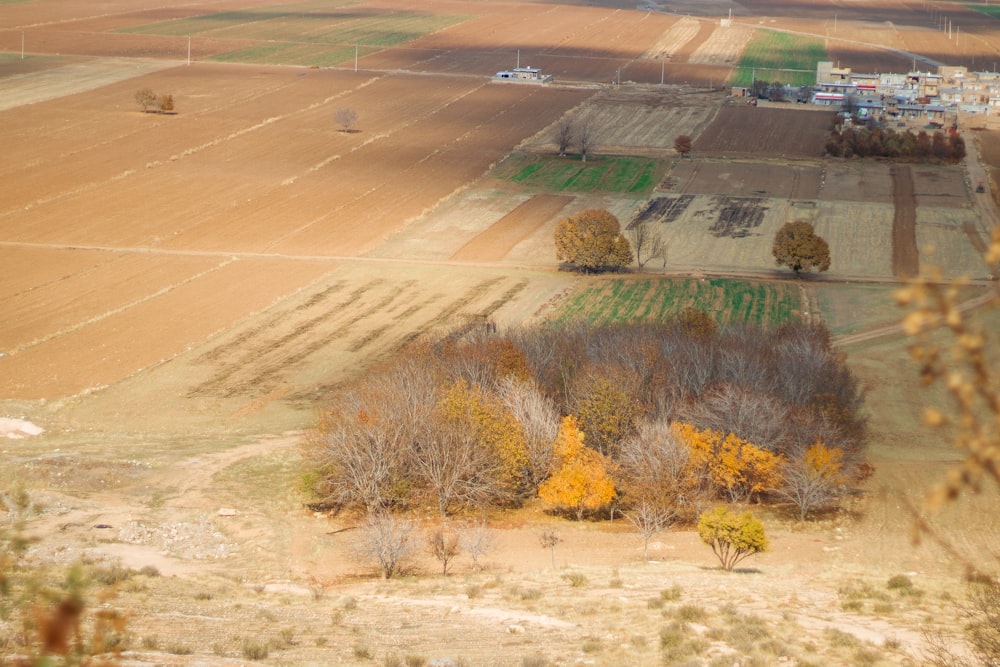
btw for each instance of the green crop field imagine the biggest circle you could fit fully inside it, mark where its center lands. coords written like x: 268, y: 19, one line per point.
x: 313, y: 33
x: 570, y: 174
x: 658, y: 299
x: 779, y: 56
x: 991, y: 10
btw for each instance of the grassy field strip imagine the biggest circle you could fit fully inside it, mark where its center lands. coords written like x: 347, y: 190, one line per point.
x: 726, y: 300
x: 605, y: 174
x: 770, y: 55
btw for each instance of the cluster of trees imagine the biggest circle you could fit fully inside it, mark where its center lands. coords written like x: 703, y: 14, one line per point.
x: 150, y: 101
x: 886, y: 142
x: 658, y: 421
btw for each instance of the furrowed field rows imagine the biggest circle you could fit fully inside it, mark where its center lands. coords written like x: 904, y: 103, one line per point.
x: 341, y: 321
x: 624, y: 300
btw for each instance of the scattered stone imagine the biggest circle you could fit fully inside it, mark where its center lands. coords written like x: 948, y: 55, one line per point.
x: 515, y: 629
x: 226, y: 511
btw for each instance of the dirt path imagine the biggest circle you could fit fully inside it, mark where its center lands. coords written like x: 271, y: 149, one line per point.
x: 905, y: 257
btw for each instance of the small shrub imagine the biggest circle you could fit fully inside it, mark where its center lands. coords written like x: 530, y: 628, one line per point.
x: 530, y: 594
x: 321, y: 641
x: 672, y: 635
x: 671, y: 594
x: 592, y: 645
x: 253, y: 650
x: 176, y: 648
x: 392, y: 660
x: 473, y: 591
x: 853, y: 605
x: 866, y: 657
x: 149, y: 571
x: 219, y: 649
x: 415, y: 661
x: 203, y: 595
x: 350, y: 604
x: 690, y: 613
x: 287, y: 636
x: 575, y: 579
x: 534, y: 661
x: 362, y: 652
x: 111, y: 574
x: 899, y: 582
x: 746, y: 630
x: 883, y: 608
x: 151, y: 643
x: 638, y: 641
x: 655, y: 603
x: 839, y: 638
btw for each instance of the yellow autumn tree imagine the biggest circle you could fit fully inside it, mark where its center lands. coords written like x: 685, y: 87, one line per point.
x: 496, y: 430
x: 736, y: 468
x: 581, y: 481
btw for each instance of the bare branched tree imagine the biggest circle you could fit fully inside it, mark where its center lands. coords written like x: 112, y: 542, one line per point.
x: 549, y: 540
x: 386, y: 541
x: 477, y: 539
x: 646, y: 243
x: 564, y: 135
x: 649, y: 518
x: 444, y: 545
x: 656, y: 468
x: 539, y: 418
x: 346, y: 118
x: 585, y: 137
x: 145, y: 98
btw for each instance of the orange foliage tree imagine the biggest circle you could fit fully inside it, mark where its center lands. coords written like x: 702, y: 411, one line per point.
x: 737, y: 469
x: 592, y: 240
x: 581, y: 481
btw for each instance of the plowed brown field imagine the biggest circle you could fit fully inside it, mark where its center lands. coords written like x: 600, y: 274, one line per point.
x: 252, y: 164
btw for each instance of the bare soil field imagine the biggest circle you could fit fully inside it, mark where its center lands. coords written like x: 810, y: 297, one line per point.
x: 179, y: 293
x: 740, y: 130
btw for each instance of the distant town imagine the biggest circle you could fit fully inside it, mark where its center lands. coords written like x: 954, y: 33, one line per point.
x: 949, y: 97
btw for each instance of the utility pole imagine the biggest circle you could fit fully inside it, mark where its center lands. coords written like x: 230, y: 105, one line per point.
x: 189, y: 49
x: 22, y: 45
x: 662, y: 65
x: 355, y: 57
